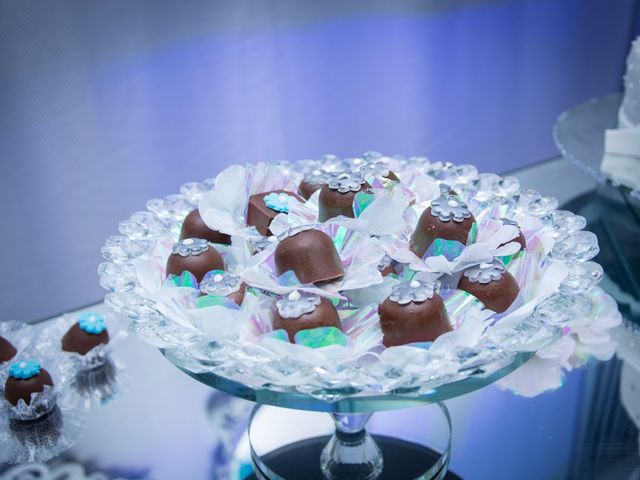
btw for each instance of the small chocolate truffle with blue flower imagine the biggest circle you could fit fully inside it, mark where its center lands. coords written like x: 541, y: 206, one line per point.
x: 491, y: 284
x: 26, y: 377
x: 193, y: 255
x: 224, y: 284
x: 88, y: 332
x: 312, y: 182
x: 303, y: 311
x: 193, y: 226
x: 336, y: 197
x: 7, y: 350
x: 413, y: 313
x: 448, y: 218
x: 264, y: 207
x: 521, y: 239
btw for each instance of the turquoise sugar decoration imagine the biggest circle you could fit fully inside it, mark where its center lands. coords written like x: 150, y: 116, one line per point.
x: 278, y: 202
x: 24, y: 370
x: 92, y: 323
x: 321, y: 337
x: 361, y: 201
x: 278, y: 335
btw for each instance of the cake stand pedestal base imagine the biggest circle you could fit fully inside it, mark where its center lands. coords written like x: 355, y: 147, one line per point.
x: 290, y: 444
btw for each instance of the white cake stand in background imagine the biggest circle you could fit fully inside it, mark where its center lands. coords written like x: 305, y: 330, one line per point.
x: 612, y: 210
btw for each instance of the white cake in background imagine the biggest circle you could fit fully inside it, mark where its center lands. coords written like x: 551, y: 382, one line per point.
x: 622, y: 145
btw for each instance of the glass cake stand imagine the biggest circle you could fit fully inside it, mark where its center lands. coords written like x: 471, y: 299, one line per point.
x: 612, y: 210
x: 350, y: 452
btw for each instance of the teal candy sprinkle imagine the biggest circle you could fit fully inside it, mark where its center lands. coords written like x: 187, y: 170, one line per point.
x: 92, y: 323
x: 321, y: 337
x: 24, y: 370
x: 277, y: 201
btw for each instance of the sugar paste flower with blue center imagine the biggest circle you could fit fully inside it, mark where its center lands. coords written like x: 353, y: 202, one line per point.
x: 92, y: 323
x: 24, y: 369
x: 278, y: 201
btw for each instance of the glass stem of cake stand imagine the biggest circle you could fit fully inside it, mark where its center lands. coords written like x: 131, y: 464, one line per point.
x: 351, y: 453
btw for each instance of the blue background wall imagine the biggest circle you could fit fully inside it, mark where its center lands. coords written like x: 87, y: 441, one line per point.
x: 104, y: 105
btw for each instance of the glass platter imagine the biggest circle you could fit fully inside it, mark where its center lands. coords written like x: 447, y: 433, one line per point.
x: 354, y: 404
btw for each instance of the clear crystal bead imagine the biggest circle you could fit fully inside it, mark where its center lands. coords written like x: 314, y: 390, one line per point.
x: 192, y: 191
x: 560, y: 308
x: 577, y: 246
x: 173, y: 207
x: 565, y: 222
x: 116, y: 277
x: 508, y: 187
x: 141, y: 225
x: 542, y: 206
x: 120, y: 249
x: 581, y: 277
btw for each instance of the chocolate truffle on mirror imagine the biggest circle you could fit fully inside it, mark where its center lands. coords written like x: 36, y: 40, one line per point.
x: 414, y: 312
x: 490, y: 283
x: 7, y: 350
x: 521, y: 239
x: 194, y: 227
x: 88, y: 332
x: 303, y: 311
x: 448, y: 218
x: 312, y: 181
x: 25, y: 377
x: 224, y: 284
x: 264, y: 207
x: 310, y: 254
x: 193, y: 255
x: 336, y: 197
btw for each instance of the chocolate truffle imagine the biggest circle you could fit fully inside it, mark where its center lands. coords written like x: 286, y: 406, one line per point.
x: 224, y: 284
x: 302, y: 311
x: 194, y: 227
x: 520, y: 238
x: 7, y: 351
x: 386, y: 265
x: 264, y: 207
x: 25, y: 377
x: 414, y: 312
x: 193, y: 255
x: 490, y: 283
x: 336, y: 197
x: 378, y: 169
x: 447, y: 218
x: 89, y: 331
x: 310, y: 254
x: 312, y: 182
